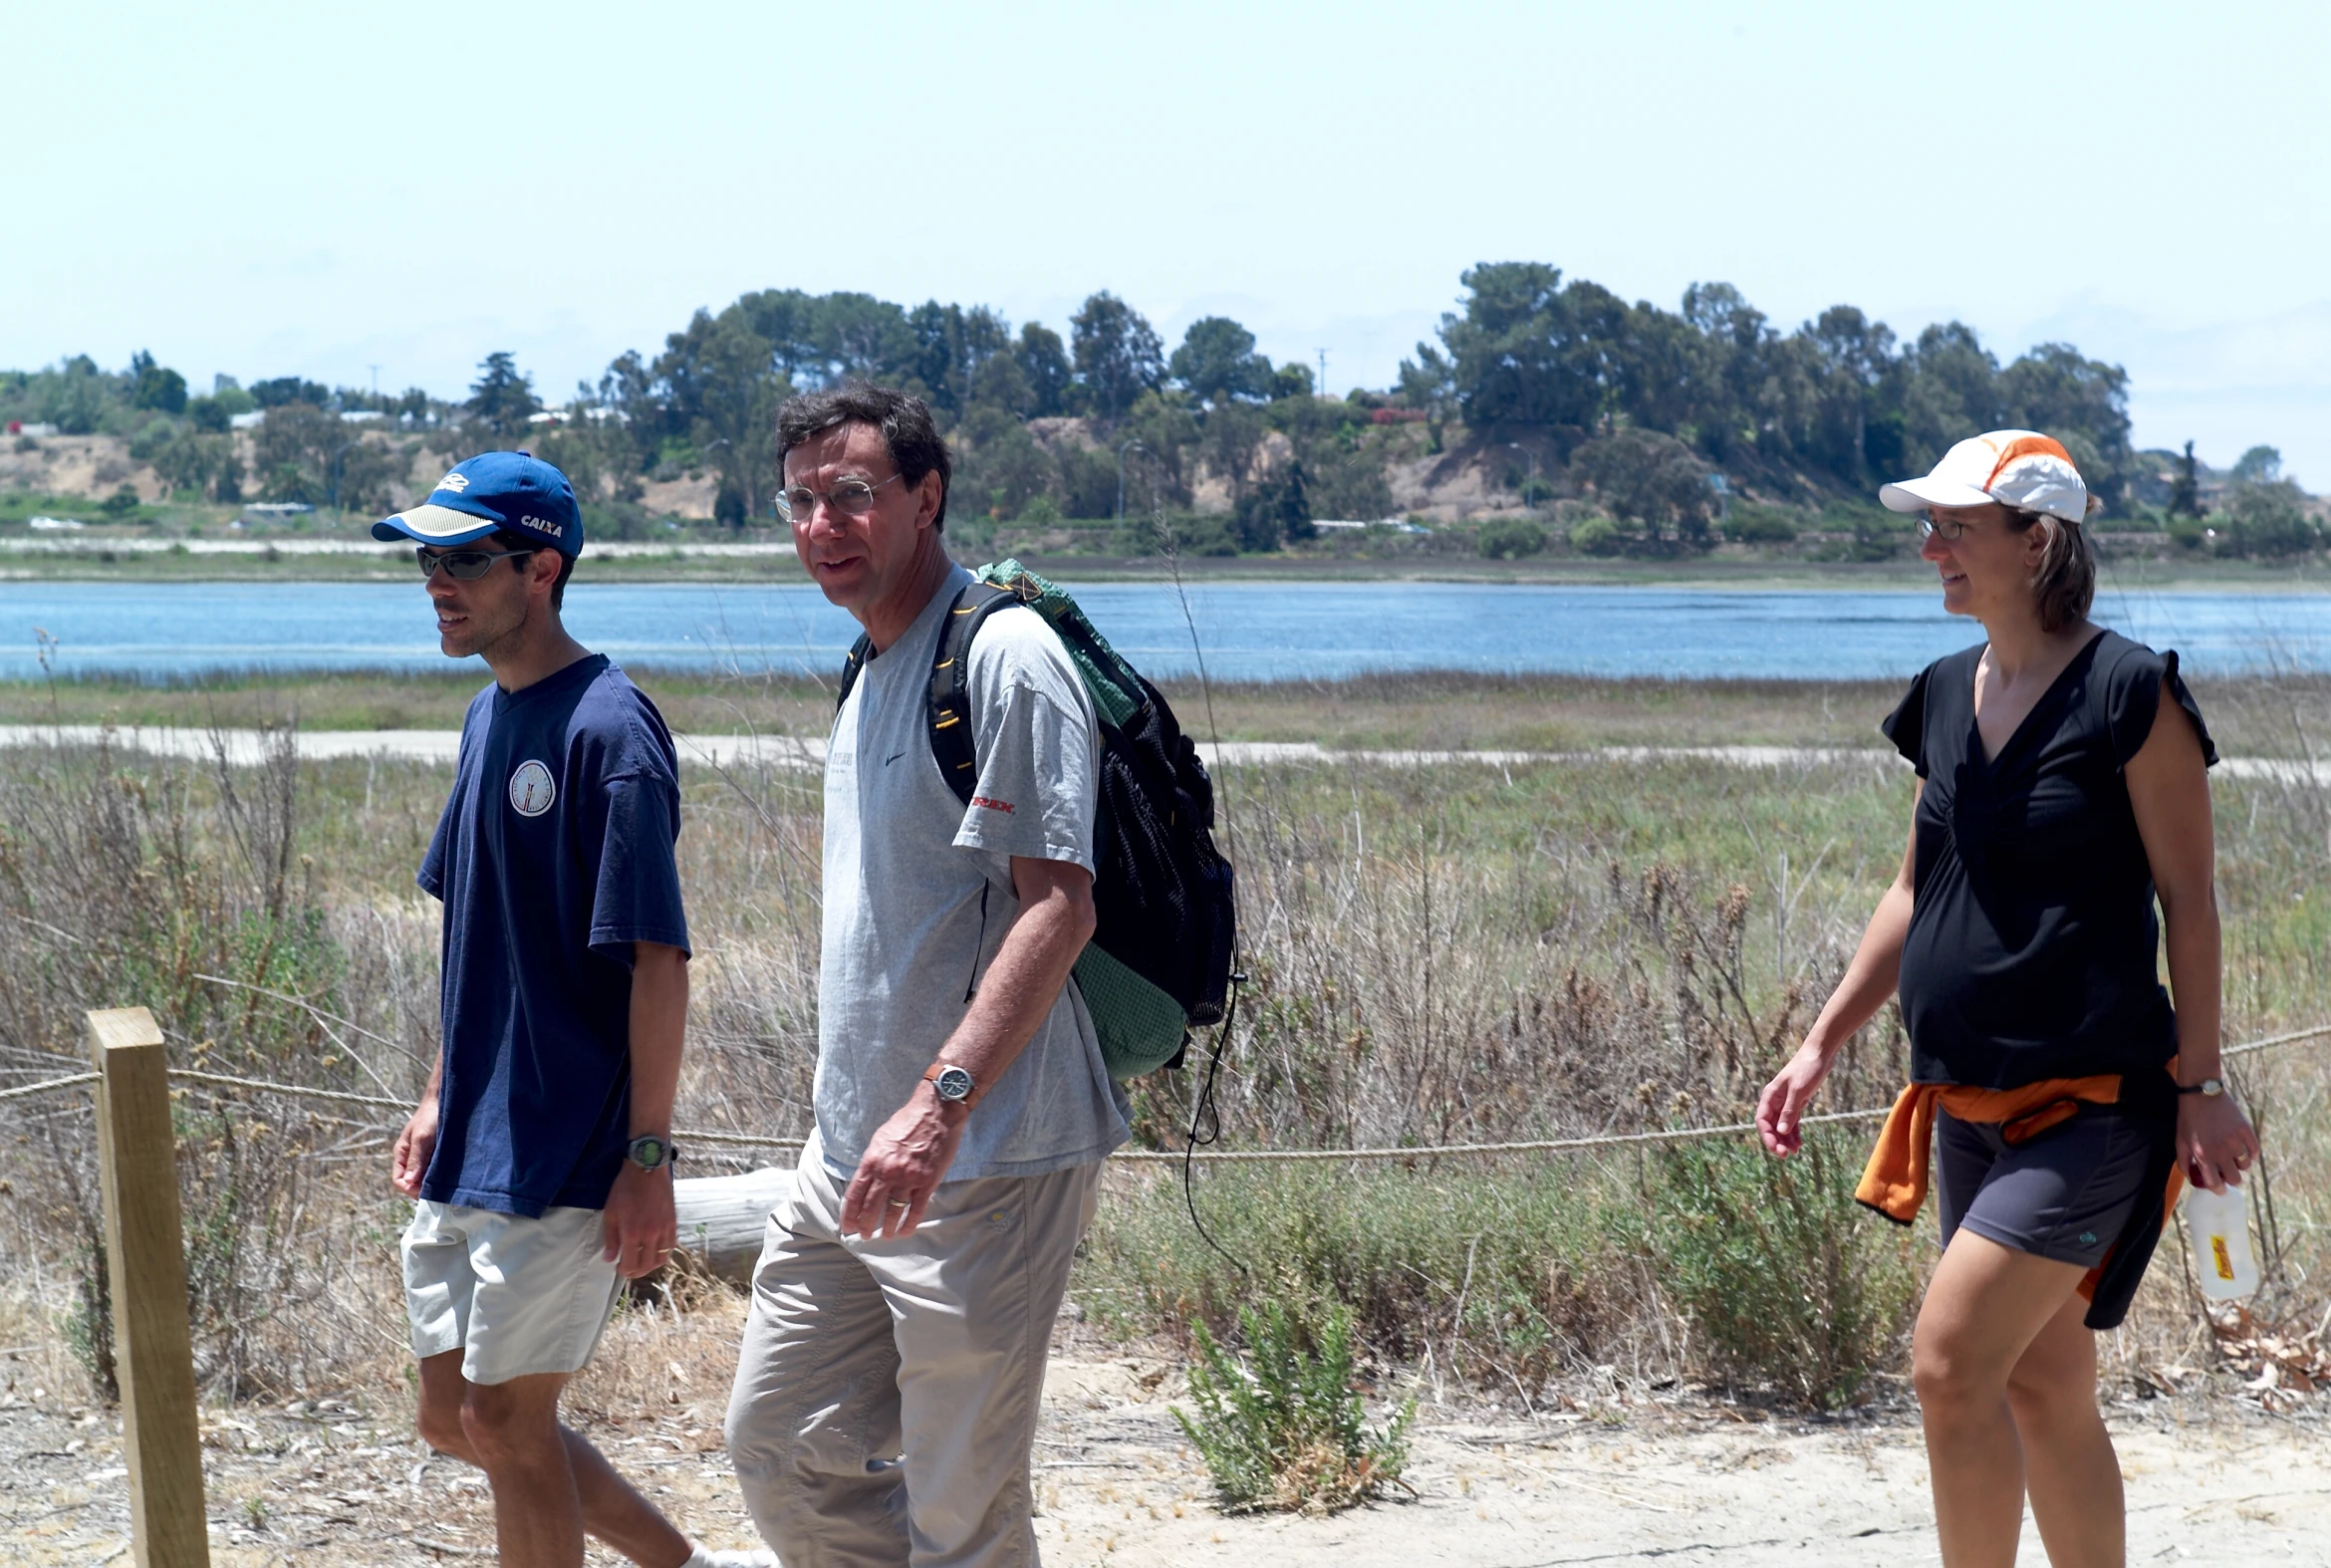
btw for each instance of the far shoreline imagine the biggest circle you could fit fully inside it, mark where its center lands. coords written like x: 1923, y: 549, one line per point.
x: 734, y: 567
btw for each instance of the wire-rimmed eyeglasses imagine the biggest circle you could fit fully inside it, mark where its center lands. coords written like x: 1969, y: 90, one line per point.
x: 850, y: 497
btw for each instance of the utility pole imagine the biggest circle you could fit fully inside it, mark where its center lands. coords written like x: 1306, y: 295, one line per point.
x: 1530, y: 495
x: 1323, y: 392
x: 376, y: 369
x: 1133, y: 446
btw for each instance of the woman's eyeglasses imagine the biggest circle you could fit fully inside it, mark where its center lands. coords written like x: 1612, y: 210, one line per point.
x: 850, y: 497
x: 467, y: 564
x: 1944, y: 528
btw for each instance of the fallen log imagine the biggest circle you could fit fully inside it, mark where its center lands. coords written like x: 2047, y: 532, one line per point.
x: 721, y: 1220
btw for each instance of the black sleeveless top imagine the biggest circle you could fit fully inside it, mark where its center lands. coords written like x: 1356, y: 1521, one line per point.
x: 2033, y: 945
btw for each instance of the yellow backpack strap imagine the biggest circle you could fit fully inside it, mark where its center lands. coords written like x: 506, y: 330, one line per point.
x: 950, y: 685
x: 851, y: 668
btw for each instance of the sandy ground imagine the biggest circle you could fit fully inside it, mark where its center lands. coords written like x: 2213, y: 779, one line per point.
x: 341, y: 1482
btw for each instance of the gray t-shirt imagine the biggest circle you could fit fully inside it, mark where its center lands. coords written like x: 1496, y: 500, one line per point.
x: 919, y: 895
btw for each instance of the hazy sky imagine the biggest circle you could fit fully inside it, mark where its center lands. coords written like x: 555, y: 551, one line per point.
x: 316, y: 189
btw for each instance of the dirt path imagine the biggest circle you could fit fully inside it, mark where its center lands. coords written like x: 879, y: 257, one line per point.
x: 343, y: 1482
x: 808, y: 753
x: 1681, y: 1486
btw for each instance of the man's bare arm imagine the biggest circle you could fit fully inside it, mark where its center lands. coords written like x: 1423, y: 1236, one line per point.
x: 411, y: 1160
x: 908, y: 1157
x: 639, y: 1226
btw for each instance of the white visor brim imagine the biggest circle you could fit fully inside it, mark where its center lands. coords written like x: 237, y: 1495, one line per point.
x: 1913, y: 495
x: 437, y: 525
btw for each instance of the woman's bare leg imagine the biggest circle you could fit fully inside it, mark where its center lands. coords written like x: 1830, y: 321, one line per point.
x: 2069, y: 1466
x: 1986, y: 1307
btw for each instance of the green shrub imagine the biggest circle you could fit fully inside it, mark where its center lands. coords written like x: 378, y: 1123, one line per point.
x: 1789, y: 1278
x: 2269, y: 520
x: 1875, y: 534
x: 120, y: 503
x: 1510, y: 538
x: 1753, y: 524
x: 1597, y: 535
x: 151, y: 438
x: 1284, y: 1428
x: 626, y: 520
x: 1503, y: 1278
x: 1180, y: 533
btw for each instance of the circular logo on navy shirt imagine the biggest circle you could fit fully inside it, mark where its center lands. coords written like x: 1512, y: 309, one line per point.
x: 532, y: 790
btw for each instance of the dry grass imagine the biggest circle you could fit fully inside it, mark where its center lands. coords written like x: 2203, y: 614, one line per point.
x: 1466, y: 953
x: 1436, y: 710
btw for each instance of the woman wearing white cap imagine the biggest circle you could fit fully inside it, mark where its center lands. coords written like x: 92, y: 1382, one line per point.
x: 2062, y: 787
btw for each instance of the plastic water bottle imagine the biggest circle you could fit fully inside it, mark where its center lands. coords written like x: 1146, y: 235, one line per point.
x: 2220, y: 1225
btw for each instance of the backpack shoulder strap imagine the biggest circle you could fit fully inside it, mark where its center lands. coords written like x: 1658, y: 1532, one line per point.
x: 851, y: 667
x: 951, y: 684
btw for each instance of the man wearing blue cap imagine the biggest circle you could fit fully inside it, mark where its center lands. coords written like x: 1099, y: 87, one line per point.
x: 539, y: 1157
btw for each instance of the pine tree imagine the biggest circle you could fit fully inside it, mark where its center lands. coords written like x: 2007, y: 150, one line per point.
x: 2186, y: 488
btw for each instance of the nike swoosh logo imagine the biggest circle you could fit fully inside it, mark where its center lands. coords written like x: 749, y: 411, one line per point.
x: 892, y: 757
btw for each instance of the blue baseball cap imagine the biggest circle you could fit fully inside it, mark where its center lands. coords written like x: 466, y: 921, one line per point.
x: 485, y: 494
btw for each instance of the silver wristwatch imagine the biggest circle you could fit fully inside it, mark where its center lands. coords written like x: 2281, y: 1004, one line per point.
x: 651, y: 1153
x: 949, y: 1082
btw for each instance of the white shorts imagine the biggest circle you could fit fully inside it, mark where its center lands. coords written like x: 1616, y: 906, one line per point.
x: 514, y: 1295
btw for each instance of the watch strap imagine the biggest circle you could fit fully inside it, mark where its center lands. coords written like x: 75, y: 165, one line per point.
x: 2208, y: 1088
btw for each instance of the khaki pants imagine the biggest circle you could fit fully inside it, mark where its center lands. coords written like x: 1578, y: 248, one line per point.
x: 887, y: 1390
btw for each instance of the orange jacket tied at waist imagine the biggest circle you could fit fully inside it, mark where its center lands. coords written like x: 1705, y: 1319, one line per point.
x: 1894, y: 1183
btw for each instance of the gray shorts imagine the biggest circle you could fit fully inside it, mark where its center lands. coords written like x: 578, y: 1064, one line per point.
x: 2065, y: 1194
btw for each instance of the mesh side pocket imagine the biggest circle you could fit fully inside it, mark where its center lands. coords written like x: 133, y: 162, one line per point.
x: 1140, y: 1026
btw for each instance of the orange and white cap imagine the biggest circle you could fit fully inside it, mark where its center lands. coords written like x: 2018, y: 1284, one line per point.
x: 2019, y: 468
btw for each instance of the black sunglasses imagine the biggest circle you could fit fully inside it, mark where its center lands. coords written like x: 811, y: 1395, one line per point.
x: 466, y: 566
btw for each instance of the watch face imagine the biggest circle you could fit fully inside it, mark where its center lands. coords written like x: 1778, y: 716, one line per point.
x: 954, y: 1083
x: 648, y: 1153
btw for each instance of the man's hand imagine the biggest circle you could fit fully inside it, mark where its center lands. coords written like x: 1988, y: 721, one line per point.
x: 639, y: 1225
x: 908, y: 1157
x: 414, y: 1144
x: 904, y: 1165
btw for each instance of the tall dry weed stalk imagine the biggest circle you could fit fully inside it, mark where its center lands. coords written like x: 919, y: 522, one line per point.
x: 750, y: 857
x: 131, y: 880
x: 1415, y: 986
x: 1407, y: 988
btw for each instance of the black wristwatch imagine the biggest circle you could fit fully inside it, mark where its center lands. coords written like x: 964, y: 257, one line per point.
x: 651, y: 1153
x: 2207, y: 1089
x: 949, y: 1082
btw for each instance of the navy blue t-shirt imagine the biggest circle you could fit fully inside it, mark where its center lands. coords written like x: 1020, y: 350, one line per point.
x: 554, y: 856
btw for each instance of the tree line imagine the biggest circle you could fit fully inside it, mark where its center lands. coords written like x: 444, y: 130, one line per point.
x: 1652, y: 417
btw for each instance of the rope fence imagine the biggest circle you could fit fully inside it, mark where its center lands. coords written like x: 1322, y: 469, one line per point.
x: 1395, y: 1151
x: 27, y: 1090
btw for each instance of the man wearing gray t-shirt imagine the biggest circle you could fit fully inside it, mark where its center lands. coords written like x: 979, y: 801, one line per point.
x: 886, y: 1390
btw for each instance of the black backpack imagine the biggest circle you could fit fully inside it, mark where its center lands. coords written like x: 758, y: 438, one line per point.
x: 1159, y: 963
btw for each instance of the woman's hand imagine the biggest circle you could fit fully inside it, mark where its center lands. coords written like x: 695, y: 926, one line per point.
x: 2216, y: 1143
x: 1782, y: 1105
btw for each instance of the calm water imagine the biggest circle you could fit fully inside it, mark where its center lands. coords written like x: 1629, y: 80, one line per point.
x: 1247, y: 631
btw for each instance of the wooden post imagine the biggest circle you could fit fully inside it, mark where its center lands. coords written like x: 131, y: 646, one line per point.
x: 146, y: 1263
